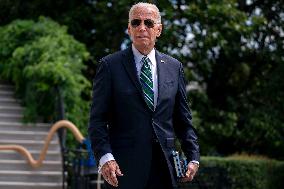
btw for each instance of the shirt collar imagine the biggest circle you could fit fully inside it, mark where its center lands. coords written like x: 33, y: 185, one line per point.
x: 138, y: 56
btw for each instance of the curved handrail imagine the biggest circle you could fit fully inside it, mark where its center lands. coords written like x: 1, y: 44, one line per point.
x: 37, y: 163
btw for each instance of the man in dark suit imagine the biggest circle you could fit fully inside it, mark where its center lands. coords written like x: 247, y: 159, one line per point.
x: 139, y: 107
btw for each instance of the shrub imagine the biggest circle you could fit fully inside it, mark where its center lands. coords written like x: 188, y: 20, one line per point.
x: 241, y: 173
x: 38, y: 57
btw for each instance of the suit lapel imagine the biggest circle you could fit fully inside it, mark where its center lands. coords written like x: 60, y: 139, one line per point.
x: 130, y: 67
x: 162, y: 70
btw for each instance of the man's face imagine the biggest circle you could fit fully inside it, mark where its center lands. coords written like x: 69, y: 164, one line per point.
x: 142, y: 34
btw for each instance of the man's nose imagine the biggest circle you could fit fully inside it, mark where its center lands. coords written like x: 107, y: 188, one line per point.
x: 142, y: 26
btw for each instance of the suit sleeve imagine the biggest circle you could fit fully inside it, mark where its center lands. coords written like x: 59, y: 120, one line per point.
x: 183, y: 121
x: 99, y: 114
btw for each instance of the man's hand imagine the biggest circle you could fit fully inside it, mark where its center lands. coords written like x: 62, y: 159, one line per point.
x: 109, y: 171
x: 190, y: 173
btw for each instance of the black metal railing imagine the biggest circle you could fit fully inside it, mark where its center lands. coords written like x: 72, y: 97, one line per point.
x: 79, y: 169
x: 83, y: 173
x: 60, y: 115
x: 60, y: 109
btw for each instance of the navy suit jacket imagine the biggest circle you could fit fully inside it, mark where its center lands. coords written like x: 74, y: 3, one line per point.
x: 121, y: 123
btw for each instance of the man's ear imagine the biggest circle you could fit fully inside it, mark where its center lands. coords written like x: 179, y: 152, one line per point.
x: 128, y: 29
x: 159, y: 30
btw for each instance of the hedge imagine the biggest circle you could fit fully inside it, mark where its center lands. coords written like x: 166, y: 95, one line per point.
x: 239, y: 173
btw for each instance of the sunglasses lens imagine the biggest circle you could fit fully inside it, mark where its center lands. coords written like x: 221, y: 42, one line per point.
x: 149, y: 23
x: 135, y: 23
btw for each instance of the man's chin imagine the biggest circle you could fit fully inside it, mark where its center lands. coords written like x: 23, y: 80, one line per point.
x: 144, y: 44
x: 144, y: 48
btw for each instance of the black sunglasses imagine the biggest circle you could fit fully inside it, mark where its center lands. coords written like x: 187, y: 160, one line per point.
x: 148, y: 23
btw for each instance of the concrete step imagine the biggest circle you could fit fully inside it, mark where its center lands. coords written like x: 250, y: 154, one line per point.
x: 22, y: 165
x: 19, y: 126
x: 5, y: 101
x: 6, y: 94
x: 6, y: 87
x: 11, y: 117
x: 30, y: 185
x: 15, y: 172
x: 52, y: 155
x: 31, y: 144
x: 3, y: 81
x: 11, y: 109
x: 31, y: 176
x: 25, y: 135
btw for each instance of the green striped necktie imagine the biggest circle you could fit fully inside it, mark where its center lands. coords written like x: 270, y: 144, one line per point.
x: 147, y: 82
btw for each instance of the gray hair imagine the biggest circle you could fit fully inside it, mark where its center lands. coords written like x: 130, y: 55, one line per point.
x: 145, y: 5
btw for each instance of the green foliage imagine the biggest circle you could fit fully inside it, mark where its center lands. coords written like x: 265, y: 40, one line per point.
x: 232, y: 51
x: 39, y: 57
x: 245, y: 173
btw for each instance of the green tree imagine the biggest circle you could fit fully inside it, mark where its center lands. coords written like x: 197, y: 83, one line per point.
x: 232, y: 52
x: 95, y: 23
